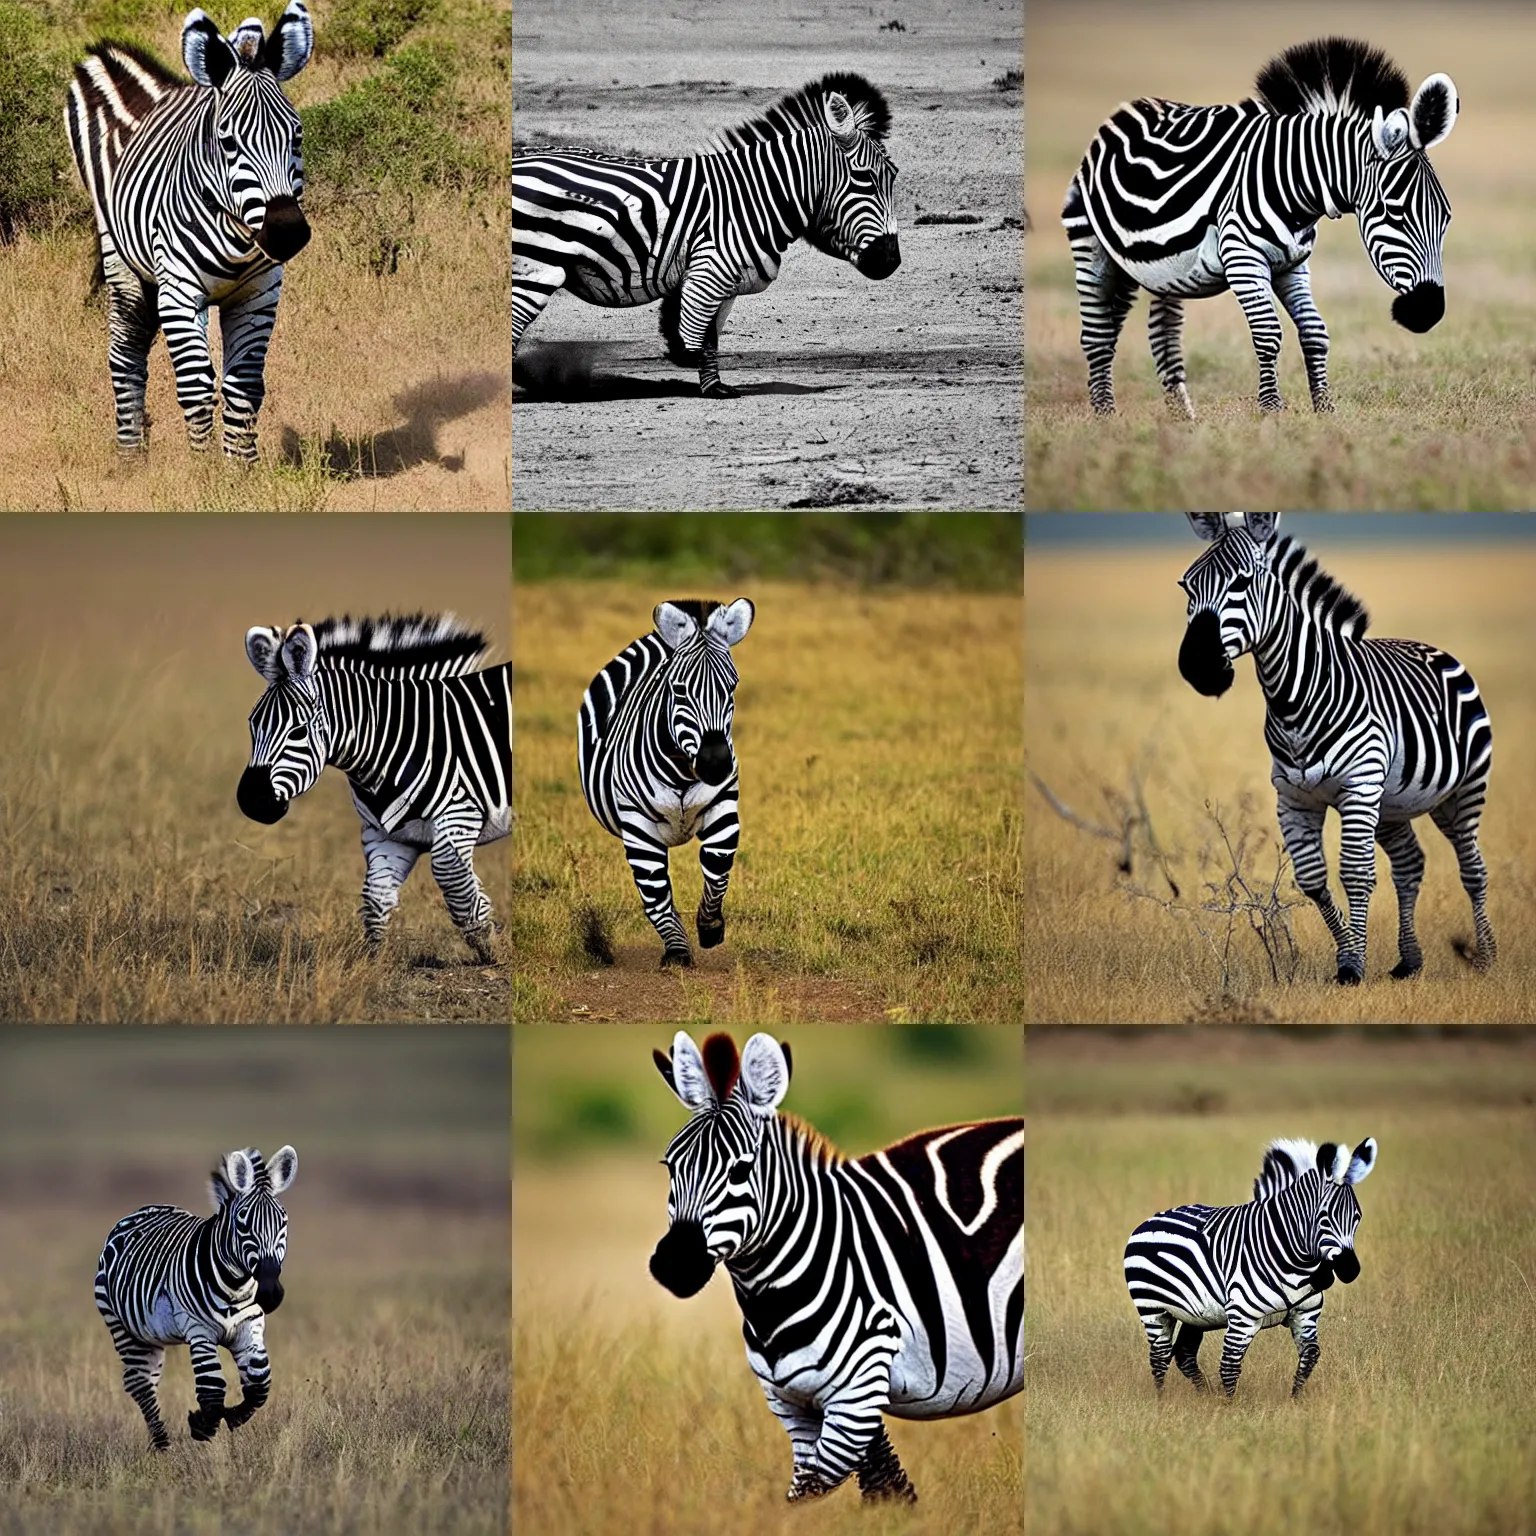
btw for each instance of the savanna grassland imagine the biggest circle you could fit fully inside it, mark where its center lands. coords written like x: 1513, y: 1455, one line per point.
x: 636, y: 1412
x: 877, y: 734
x: 388, y: 1409
x: 1418, y: 1419
x: 1442, y: 420
x: 133, y: 889
x: 1106, y: 711
x: 387, y: 380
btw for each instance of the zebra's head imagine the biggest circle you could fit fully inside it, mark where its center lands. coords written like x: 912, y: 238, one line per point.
x: 1227, y: 589
x: 290, y: 734
x: 700, y: 681
x: 253, y: 1236
x: 259, y: 134
x: 1402, y: 208
x: 714, y: 1202
x: 1338, y: 1214
x: 855, y: 220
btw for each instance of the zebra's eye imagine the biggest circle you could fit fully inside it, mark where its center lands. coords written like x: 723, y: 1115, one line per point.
x: 298, y: 733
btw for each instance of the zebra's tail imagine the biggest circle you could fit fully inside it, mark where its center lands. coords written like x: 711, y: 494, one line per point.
x: 671, y: 330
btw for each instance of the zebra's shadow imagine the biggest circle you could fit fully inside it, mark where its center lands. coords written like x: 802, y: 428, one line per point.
x: 427, y: 408
x: 568, y: 373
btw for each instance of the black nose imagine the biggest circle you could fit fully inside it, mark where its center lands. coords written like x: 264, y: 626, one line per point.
x: 269, y: 1289
x: 681, y: 1261
x: 285, y: 231
x: 257, y: 798
x: 1421, y: 309
x: 714, y: 762
x: 880, y: 257
x: 1203, y: 663
x: 1347, y: 1266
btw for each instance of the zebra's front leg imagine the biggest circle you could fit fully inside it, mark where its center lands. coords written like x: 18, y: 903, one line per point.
x: 802, y: 1423
x: 1241, y: 1332
x: 245, y: 327
x: 1303, y: 1326
x: 132, y: 324
x: 453, y: 867
x: 1359, y: 816
x: 388, y: 864
x: 1248, y: 275
x: 250, y: 1352
x: 719, y: 833
x: 1104, y: 298
x: 882, y: 1478
x: 646, y: 851
x: 1407, y: 859
x: 703, y: 304
x: 1165, y: 329
x: 1301, y: 826
x: 184, y: 319
x: 1294, y: 289
x: 204, y: 1420
x: 1458, y: 819
x: 850, y: 1427
x: 142, y: 1365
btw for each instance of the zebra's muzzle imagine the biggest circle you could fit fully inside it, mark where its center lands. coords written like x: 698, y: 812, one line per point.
x: 879, y: 258
x: 269, y: 1288
x: 714, y: 761
x: 257, y: 799
x: 681, y: 1261
x: 1203, y: 660
x: 1421, y: 309
x: 284, y: 231
x: 1347, y: 1266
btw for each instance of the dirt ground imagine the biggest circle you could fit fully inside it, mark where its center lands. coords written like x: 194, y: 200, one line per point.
x: 906, y: 392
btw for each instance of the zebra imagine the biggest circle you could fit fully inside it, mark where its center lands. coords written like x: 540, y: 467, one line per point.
x: 1187, y: 201
x: 699, y: 231
x: 891, y: 1283
x: 196, y: 191
x: 165, y: 1277
x: 657, y: 763
x: 424, y: 740
x: 1199, y: 1268
x: 1381, y: 730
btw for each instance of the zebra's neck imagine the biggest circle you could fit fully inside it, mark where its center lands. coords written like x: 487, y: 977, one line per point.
x: 788, y: 177
x: 1295, y: 656
x: 796, y: 1171
x: 1317, y: 159
x: 215, y: 1245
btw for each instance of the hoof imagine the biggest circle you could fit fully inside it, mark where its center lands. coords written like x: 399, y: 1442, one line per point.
x: 204, y: 1423
x: 479, y: 940
x: 1349, y: 976
x: 711, y: 934
x: 1403, y: 970
x: 719, y: 391
x: 676, y: 957
x: 904, y: 1493
x: 160, y: 1443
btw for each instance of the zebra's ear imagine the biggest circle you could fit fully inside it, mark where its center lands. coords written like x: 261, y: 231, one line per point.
x: 1208, y: 525
x: 1333, y: 1161
x: 1389, y: 131
x: 208, y: 57
x: 291, y: 43
x: 689, y: 1080
x: 1261, y: 526
x: 281, y: 1167
x: 673, y: 625
x: 839, y: 118
x: 235, y: 1175
x: 1362, y: 1161
x: 764, y: 1074
x: 299, y: 650
x: 1433, y: 112
x: 729, y: 625
x: 262, y: 644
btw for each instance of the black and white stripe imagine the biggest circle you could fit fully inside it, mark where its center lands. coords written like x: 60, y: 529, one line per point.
x: 196, y: 188
x: 658, y: 766
x: 166, y: 1277
x: 1381, y: 730
x: 424, y: 740
x: 1198, y: 1268
x: 891, y: 1283
x: 1188, y: 201
x: 699, y: 231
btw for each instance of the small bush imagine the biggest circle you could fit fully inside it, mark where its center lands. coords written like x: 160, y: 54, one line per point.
x: 373, y: 27
x: 35, y: 165
x: 132, y: 21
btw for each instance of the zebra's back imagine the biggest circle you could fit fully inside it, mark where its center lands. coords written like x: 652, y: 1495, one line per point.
x: 139, y: 1255
x: 1170, y: 1267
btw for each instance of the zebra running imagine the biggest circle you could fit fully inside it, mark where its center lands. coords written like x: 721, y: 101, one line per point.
x: 196, y: 189
x: 890, y: 1283
x: 699, y: 231
x: 658, y: 766
x: 1187, y: 201
x: 1200, y: 1268
x: 424, y: 740
x: 1381, y: 730
x: 165, y: 1277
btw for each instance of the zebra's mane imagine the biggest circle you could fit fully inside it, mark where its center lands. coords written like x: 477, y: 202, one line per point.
x: 698, y: 609
x: 819, y: 1145
x: 422, y: 644
x: 122, y: 55
x: 801, y: 111
x: 1336, y: 76
x: 1330, y: 605
x: 1286, y: 1158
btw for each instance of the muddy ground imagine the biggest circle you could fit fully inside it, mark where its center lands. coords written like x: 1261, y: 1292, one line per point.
x: 903, y: 393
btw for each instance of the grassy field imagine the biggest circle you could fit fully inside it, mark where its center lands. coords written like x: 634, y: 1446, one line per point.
x: 877, y: 733
x: 133, y: 888
x: 389, y: 1357
x: 1442, y: 420
x: 1418, y: 1418
x: 387, y: 382
x: 1105, y: 706
x: 633, y: 1410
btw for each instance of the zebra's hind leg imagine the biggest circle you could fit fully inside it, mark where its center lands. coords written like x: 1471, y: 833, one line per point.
x: 881, y: 1474
x: 1458, y: 818
x: 1186, y: 1355
x: 204, y: 1420
x: 1303, y: 1326
x: 1165, y: 329
x: 132, y: 323
x: 1407, y: 859
x: 1104, y: 298
x: 1159, y: 1328
x: 1294, y: 290
x: 142, y: 1365
x: 453, y: 867
x: 534, y: 284
x: 388, y: 864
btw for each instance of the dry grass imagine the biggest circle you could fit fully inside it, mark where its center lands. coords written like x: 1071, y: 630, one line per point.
x: 134, y: 890
x: 1436, y: 421
x: 878, y: 737
x: 1104, y: 698
x: 1418, y: 1418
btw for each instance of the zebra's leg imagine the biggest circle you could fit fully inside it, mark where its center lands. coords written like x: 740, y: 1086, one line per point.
x: 1104, y: 298
x: 388, y: 864
x: 881, y: 1474
x: 1186, y: 1355
x: 184, y: 318
x: 1294, y: 289
x: 1407, y: 858
x: 1303, y: 1325
x: 142, y: 1365
x: 1301, y: 826
x: 1159, y: 1328
x: 1458, y: 819
x: 250, y: 1352
x: 802, y: 1423
x: 719, y: 833
x: 453, y: 867
x: 1359, y: 816
x: 1165, y: 327
x: 646, y: 851
x: 534, y: 284
x: 1249, y: 277
x: 205, y: 1419
x: 1241, y: 1332
x: 132, y: 324
x: 245, y: 326
x: 704, y: 302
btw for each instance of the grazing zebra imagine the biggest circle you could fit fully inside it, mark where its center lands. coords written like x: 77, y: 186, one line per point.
x: 165, y: 1277
x: 424, y: 740
x: 196, y: 188
x: 658, y: 766
x: 891, y: 1283
x: 1199, y: 1268
x: 1188, y: 201
x: 1381, y: 730
x: 700, y: 231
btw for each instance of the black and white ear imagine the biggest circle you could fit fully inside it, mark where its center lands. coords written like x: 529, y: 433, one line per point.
x: 1432, y: 114
x: 764, y: 1074
x: 673, y: 625
x: 688, y: 1079
x: 1389, y: 131
x: 291, y: 43
x: 1208, y: 525
x: 729, y: 625
x: 1362, y: 1161
x: 206, y: 53
x: 235, y: 1175
x: 1333, y: 1161
x: 281, y: 1167
x: 262, y: 645
x: 299, y: 651
x: 1261, y: 526
x: 839, y: 118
